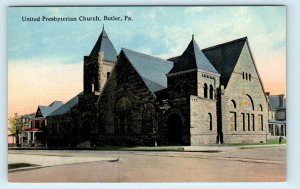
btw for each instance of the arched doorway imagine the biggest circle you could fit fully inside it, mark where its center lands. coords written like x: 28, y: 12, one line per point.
x: 174, y: 123
x: 86, y: 130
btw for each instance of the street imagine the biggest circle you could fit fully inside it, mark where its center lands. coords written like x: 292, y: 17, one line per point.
x: 267, y: 164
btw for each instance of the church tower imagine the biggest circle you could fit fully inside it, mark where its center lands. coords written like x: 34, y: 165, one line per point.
x: 192, y: 85
x: 98, y: 65
x: 193, y: 74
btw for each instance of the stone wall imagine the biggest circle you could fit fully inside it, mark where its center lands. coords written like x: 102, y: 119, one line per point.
x: 125, y: 83
x: 180, y: 107
x: 249, y: 98
x: 203, y: 119
x: 60, y: 131
x: 182, y: 84
x: 209, y: 79
x: 96, y: 70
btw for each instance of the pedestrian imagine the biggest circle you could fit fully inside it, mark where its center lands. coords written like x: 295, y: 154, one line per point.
x: 280, y: 139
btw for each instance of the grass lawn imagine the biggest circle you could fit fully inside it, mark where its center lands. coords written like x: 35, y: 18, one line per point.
x: 140, y: 148
x: 271, y: 141
x: 20, y: 165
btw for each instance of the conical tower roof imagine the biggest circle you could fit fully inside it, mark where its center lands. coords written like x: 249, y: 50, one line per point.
x: 104, y: 44
x: 192, y: 58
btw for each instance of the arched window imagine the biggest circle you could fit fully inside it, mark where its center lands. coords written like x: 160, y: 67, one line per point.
x: 246, y: 76
x: 247, y: 106
x: 243, y: 121
x: 93, y: 87
x: 260, y: 108
x: 233, y: 121
x: 261, y: 122
x: 123, y: 115
x: 233, y: 116
x: 249, y: 77
x: 211, y: 92
x: 253, y: 122
x: 247, y: 103
x: 107, y: 75
x: 93, y: 84
x: 233, y: 103
x: 147, y: 118
x: 210, y: 121
x: 205, y: 90
x: 243, y: 75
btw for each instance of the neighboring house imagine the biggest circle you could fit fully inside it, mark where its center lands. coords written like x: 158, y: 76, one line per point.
x: 25, y: 122
x: 214, y: 95
x: 277, y: 116
x: 11, y: 139
x: 37, y: 130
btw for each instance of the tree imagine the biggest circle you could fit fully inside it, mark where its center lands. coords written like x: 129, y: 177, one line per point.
x: 16, y: 127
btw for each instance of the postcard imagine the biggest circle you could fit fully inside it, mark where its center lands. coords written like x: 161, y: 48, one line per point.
x: 147, y: 94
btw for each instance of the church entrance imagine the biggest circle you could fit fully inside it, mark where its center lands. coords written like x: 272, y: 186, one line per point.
x: 85, y: 133
x: 86, y: 130
x: 174, y: 123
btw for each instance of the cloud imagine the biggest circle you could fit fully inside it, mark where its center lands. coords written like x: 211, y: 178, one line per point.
x: 160, y: 31
x: 55, y: 11
x: 83, y: 37
x: 150, y: 15
x: 145, y: 50
x: 191, y: 11
x: 175, y: 40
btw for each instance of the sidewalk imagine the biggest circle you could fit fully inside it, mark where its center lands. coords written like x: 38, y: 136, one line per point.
x: 35, y: 161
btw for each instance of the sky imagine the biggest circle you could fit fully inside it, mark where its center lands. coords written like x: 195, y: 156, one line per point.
x: 45, y: 58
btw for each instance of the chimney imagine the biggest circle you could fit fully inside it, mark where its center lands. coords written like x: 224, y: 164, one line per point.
x: 281, y: 100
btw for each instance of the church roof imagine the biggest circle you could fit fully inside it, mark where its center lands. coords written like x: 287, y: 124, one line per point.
x: 66, y: 108
x: 104, y: 44
x: 151, y: 69
x: 192, y: 58
x: 224, y: 57
x: 46, y: 110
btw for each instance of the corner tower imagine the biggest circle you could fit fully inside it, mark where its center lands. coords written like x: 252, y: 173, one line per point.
x: 192, y: 85
x: 193, y: 73
x: 98, y: 65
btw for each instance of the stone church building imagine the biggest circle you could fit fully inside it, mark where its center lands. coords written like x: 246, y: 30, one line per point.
x: 213, y: 95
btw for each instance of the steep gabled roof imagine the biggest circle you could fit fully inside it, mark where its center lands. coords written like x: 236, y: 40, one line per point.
x: 224, y: 57
x: 66, y: 108
x: 151, y: 69
x: 192, y: 58
x: 104, y: 44
x: 46, y: 110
